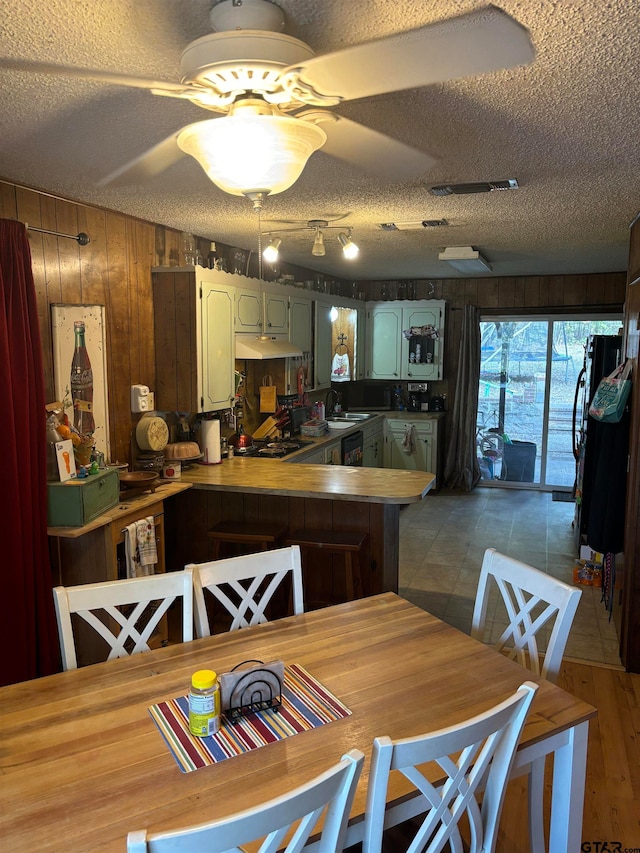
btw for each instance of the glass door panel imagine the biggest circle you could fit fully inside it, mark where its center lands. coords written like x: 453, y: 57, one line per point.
x: 528, y: 374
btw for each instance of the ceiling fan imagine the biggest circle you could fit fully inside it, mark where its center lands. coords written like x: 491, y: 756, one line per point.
x: 274, y: 94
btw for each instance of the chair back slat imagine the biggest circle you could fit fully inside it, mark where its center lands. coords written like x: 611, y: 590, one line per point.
x: 533, y: 601
x: 295, y: 813
x: 245, y: 586
x: 131, y: 610
x: 476, y: 757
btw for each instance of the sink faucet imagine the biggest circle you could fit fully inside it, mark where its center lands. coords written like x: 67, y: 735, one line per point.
x: 331, y: 400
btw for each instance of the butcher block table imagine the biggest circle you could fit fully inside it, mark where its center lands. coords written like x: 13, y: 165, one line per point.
x: 300, y: 497
x: 83, y: 763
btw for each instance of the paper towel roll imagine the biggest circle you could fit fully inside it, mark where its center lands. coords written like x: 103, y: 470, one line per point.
x: 210, y: 437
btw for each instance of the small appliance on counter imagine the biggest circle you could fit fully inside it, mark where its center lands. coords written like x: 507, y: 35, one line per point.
x: 417, y: 397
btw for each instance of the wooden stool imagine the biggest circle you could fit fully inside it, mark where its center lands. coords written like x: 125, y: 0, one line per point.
x: 260, y: 536
x: 335, y: 542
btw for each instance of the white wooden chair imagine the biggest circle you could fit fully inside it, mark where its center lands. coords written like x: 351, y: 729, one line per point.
x: 126, y: 631
x: 534, y: 602
x: 331, y: 792
x: 245, y: 585
x: 476, y: 757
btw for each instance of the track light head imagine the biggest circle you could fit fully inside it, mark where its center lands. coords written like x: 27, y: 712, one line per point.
x: 271, y: 252
x: 318, y: 248
x: 349, y: 248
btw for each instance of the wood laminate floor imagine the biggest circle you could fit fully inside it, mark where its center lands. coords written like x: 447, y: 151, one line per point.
x: 443, y: 539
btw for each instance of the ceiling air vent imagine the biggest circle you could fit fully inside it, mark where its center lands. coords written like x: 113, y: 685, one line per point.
x: 414, y: 225
x: 480, y: 187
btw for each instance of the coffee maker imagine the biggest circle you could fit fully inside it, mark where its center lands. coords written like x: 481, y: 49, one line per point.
x: 418, y: 396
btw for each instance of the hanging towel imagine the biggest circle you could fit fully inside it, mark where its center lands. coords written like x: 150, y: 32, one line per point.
x: 131, y: 550
x: 147, y: 551
x: 140, y: 548
x: 409, y: 441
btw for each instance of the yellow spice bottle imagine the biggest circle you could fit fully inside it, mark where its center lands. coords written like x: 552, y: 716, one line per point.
x: 204, y: 703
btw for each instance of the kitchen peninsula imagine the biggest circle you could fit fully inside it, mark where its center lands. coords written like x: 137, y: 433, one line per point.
x: 312, y: 497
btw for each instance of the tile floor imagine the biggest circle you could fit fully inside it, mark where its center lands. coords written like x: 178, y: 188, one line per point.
x: 443, y: 539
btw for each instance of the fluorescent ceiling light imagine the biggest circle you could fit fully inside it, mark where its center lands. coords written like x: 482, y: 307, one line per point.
x: 465, y: 260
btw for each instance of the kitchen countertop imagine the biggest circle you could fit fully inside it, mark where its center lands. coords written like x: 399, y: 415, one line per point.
x: 334, y: 482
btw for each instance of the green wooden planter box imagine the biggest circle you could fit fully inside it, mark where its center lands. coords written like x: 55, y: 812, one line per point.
x: 77, y: 502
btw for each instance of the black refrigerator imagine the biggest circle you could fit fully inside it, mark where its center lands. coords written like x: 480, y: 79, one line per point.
x: 592, y: 439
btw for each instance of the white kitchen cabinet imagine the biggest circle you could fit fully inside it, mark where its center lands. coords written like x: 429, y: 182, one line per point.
x: 194, y: 339
x: 424, y: 454
x: 373, y: 444
x: 261, y: 311
x: 390, y: 355
x: 300, y: 334
x: 322, y: 344
x: 361, y: 343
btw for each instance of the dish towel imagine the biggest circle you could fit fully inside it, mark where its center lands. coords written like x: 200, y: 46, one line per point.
x: 409, y: 441
x: 140, y: 548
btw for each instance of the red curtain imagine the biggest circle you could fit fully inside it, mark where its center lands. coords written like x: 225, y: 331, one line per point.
x: 28, y: 636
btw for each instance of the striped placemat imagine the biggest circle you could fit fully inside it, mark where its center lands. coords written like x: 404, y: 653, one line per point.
x: 306, y: 704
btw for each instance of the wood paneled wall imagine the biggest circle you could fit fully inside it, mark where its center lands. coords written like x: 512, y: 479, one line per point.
x: 114, y: 270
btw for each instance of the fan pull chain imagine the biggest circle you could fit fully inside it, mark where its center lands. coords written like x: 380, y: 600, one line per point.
x: 259, y: 246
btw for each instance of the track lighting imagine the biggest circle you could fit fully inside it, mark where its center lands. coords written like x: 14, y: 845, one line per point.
x: 318, y: 248
x: 348, y: 246
x: 270, y: 254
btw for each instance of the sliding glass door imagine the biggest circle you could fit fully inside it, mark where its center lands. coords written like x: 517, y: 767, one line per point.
x: 528, y: 374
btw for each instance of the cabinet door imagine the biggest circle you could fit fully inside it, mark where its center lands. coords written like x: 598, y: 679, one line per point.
x: 422, y: 354
x: 300, y: 322
x: 421, y: 459
x: 322, y: 360
x: 384, y: 334
x: 372, y: 450
x: 248, y: 311
x: 361, y: 344
x: 217, y: 347
x: 276, y: 313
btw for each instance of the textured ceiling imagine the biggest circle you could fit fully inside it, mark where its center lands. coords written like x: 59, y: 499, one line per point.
x: 567, y: 127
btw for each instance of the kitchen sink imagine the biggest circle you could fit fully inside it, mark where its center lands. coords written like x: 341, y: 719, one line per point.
x: 335, y: 422
x: 350, y: 416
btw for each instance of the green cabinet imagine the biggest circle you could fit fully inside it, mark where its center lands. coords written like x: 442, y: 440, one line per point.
x: 77, y: 502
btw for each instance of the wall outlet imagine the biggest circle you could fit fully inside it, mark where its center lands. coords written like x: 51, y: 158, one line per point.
x: 140, y: 398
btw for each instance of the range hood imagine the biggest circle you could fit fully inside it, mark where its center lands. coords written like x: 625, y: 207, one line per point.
x: 265, y: 346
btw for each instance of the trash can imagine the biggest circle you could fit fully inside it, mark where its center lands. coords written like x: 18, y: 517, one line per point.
x: 519, y: 459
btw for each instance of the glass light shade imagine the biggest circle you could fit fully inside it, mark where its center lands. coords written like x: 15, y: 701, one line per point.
x: 252, y: 153
x: 349, y: 248
x: 318, y: 248
x: 270, y: 254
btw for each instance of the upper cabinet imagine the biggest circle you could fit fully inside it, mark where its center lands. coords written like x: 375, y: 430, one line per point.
x: 405, y: 340
x: 261, y: 311
x: 194, y: 343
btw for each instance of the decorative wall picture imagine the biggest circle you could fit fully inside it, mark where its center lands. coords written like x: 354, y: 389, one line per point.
x: 80, y: 372
x: 66, y: 461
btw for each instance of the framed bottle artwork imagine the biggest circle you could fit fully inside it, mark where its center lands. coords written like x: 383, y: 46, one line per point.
x: 80, y: 370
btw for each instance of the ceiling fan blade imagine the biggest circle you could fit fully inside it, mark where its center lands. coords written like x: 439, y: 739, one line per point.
x: 147, y: 165
x: 113, y: 77
x: 475, y: 43
x: 371, y: 151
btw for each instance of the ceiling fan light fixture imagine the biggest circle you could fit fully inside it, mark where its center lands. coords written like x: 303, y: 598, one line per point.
x: 318, y: 248
x: 251, y: 152
x: 465, y: 260
x: 271, y: 252
x: 349, y: 248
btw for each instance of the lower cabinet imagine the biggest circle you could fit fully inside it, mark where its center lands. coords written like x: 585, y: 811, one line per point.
x: 373, y: 446
x: 413, y: 452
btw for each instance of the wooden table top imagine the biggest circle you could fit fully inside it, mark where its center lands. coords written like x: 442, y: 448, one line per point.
x: 82, y: 763
x: 334, y: 482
